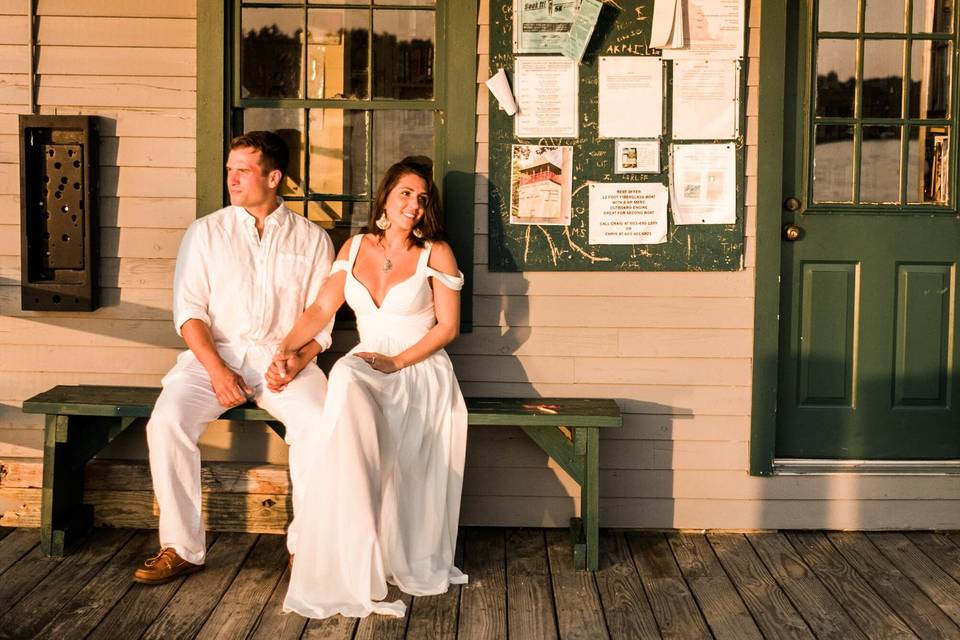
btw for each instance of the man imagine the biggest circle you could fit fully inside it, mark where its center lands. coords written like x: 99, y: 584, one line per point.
x: 244, y: 275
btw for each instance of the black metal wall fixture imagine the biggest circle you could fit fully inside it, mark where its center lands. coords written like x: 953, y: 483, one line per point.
x: 58, y: 213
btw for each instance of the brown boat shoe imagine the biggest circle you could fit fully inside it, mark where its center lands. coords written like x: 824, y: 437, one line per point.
x: 164, y: 567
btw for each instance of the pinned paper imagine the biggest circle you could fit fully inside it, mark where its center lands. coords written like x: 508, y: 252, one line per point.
x: 703, y: 183
x: 581, y: 29
x: 500, y: 88
x: 667, y: 29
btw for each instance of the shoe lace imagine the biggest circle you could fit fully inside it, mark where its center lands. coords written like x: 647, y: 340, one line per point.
x: 166, y: 553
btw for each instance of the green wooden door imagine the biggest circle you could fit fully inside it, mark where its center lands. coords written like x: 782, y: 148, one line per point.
x: 868, y: 304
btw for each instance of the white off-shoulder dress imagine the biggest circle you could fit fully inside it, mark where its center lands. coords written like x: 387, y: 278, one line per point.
x: 382, y: 498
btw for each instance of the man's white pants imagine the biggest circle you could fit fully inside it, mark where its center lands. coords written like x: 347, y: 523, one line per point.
x: 185, y: 407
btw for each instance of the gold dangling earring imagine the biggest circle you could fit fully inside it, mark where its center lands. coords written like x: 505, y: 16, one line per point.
x: 382, y: 222
x: 417, y: 233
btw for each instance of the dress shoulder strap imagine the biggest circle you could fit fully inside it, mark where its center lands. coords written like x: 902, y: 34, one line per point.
x: 424, y: 256
x: 355, y: 243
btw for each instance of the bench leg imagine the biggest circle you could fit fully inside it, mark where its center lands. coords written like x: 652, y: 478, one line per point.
x: 585, y: 530
x: 63, y: 516
x: 69, y: 442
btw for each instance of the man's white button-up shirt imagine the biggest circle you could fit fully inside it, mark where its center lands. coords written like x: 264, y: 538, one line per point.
x: 249, y: 289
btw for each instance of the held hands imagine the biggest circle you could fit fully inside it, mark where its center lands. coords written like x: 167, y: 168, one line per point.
x: 230, y: 388
x: 285, y: 367
x: 380, y: 362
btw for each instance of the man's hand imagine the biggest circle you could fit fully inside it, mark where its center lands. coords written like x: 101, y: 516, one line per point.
x: 284, y: 368
x: 230, y: 388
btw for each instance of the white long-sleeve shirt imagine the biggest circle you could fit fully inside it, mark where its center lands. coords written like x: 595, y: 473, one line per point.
x: 250, y: 290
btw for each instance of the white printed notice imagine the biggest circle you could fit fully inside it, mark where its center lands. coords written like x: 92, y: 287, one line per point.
x: 631, y: 97
x: 714, y: 30
x: 705, y: 99
x: 546, y: 90
x: 703, y: 183
x: 628, y: 213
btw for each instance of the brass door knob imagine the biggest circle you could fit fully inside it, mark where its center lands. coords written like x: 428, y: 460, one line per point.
x: 791, y: 232
x: 791, y: 204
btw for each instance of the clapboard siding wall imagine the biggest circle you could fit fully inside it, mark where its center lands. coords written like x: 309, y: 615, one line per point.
x: 674, y: 348
x: 134, y: 65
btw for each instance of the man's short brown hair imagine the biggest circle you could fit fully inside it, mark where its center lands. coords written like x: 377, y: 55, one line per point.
x: 274, y: 153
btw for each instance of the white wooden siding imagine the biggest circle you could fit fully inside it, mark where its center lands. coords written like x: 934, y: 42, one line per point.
x: 674, y: 348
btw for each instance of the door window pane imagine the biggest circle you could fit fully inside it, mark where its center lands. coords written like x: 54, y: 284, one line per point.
x: 397, y: 134
x: 929, y: 165
x: 337, y: 65
x: 933, y: 16
x: 338, y: 151
x: 833, y: 164
x: 880, y: 165
x: 403, y: 46
x: 837, y: 15
x: 930, y: 65
x: 271, y: 53
x: 882, y: 78
x: 883, y: 15
x: 288, y: 123
x: 836, y: 81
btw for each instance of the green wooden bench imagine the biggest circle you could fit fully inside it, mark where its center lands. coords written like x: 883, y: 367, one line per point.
x: 82, y: 420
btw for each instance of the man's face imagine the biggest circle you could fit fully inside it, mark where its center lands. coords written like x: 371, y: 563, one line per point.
x: 249, y: 187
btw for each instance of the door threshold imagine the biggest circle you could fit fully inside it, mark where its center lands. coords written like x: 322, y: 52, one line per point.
x: 810, y: 466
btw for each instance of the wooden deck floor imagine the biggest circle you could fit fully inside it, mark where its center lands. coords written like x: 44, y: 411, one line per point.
x: 522, y: 586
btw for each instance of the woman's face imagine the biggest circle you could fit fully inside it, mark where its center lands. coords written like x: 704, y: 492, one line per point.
x: 407, y: 202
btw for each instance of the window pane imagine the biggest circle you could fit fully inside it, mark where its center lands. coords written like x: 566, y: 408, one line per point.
x: 340, y: 219
x: 271, y: 53
x: 836, y: 77
x: 833, y: 164
x: 882, y: 78
x: 403, y: 54
x: 880, y: 165
x: 397, y: 134
x: 932, y: 16
x: 407, y: 2
x: 337, y: 64
x: 288, y: 123
x: 366, y: 2
x: 883, y: 15
x: 338, y: 151
x: 837, y: 15
x: 929, y: 165
x: 930, y: 65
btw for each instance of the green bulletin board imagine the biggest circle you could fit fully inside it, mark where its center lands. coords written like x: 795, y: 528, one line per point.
x: 621, y: 30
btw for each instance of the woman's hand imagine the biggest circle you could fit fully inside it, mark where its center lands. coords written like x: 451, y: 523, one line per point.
x: 380, y: 362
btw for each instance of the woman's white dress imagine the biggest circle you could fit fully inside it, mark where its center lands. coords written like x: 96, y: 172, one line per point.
x: 382, y: 498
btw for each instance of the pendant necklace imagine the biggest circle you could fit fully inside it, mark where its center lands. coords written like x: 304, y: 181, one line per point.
x: 387, y: 264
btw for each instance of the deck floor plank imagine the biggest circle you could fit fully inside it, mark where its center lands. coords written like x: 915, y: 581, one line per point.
x: 44, y: 602
x: 200, y: 592
x: 530, y: 613
x: 16, y: 545
x: 673, y: 605
x: 771, y: 608
x: 376, y: 627
x: 624, y: 603
x: 238, y: 609
x: 827, y: 619
x: 649, y: 585
x: 870, y: 611
x: 142, y: 603
x: 916, y: 609
x: 483, y: 600
x: 933, y: 581
x: 435, y: 617
x: 92, y: 603
x: 273, y: 623
x: 722, y: 606
x: 575, y: 594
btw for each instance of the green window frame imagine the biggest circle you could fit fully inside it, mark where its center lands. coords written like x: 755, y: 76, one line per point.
x: 221, y: 105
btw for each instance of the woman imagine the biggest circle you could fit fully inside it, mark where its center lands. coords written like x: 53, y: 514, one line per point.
x: 383, y: 496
